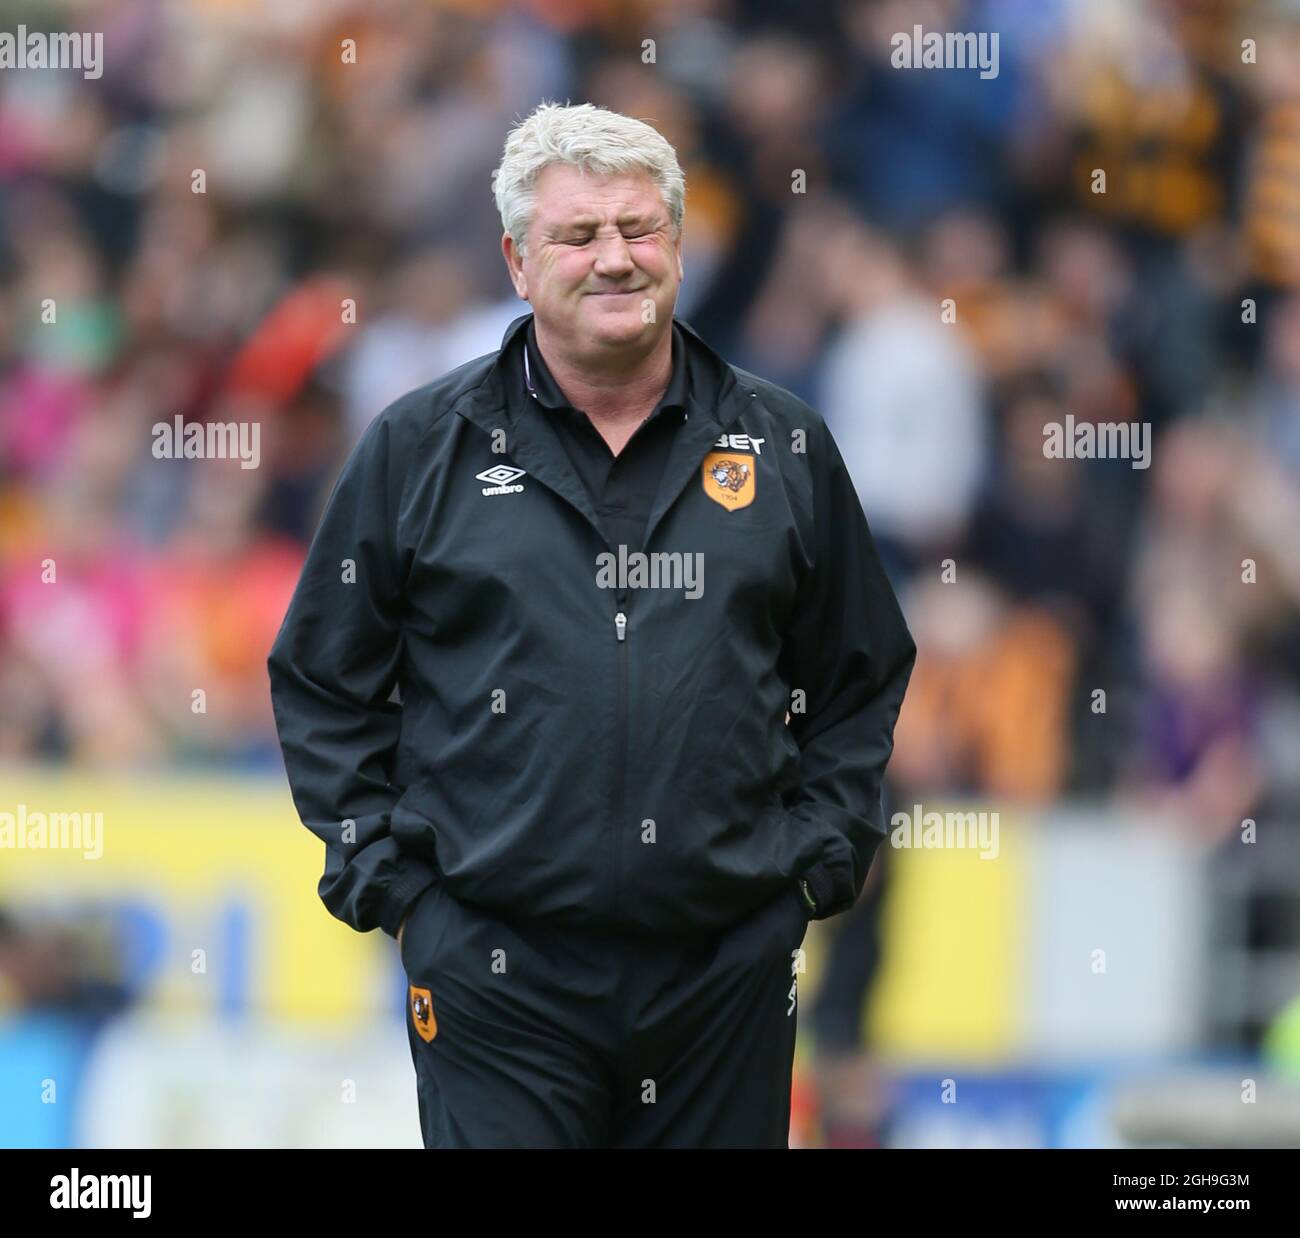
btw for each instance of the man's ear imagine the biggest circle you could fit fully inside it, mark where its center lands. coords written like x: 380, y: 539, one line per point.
x: 514, y: 266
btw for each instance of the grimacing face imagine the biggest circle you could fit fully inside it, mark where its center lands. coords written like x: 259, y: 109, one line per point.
x: 598, y: 247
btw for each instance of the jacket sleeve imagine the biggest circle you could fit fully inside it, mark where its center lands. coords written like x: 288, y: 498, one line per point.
x: 849, y: 650
x: 333, y: 667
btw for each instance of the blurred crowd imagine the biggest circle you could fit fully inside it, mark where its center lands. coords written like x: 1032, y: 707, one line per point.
x: 1085, y: 626
x: 928, y: 257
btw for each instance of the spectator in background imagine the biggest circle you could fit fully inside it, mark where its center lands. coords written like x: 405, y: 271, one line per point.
x: 428, y: 295
x: 991, y: 713
x: 1271, y: 226
x: 773, y: 100
x: 1032, y: 530
x: 1197, y: 764
x: 911, y: 145
x: 1198, y: 727
x: 902, y: 394
x: 1272, y: 398
x: 966, y: 257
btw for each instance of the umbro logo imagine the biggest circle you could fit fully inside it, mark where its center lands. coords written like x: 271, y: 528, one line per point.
x: 501, y: 479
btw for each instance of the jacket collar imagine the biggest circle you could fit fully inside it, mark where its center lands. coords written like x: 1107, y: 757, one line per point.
x: 714, y: 400
x: 542, y: 386
x: 715, y: 393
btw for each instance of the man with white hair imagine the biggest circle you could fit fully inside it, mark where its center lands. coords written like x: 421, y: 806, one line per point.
x: 648, y: 666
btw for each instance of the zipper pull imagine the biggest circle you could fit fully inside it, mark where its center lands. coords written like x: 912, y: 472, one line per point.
x: 620, y: 625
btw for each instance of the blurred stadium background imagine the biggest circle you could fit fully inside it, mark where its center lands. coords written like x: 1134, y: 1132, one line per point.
x: 1130, y: 957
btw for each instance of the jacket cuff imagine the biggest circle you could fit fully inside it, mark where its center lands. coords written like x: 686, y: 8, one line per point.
x: 819, y: 883
x: 416, y: 877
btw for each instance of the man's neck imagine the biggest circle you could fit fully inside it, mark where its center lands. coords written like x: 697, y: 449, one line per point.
x: 618, y: 395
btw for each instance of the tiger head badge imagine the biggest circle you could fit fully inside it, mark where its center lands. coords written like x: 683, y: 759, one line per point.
x: 729, y: 479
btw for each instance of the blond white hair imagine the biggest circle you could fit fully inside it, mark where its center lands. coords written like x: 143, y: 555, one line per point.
x: 588, y: 137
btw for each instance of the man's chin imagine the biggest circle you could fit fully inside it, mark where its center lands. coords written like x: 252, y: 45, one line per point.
x: 618, y: 318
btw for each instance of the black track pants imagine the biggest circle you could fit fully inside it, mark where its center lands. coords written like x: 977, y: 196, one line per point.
x: 530, y: 1035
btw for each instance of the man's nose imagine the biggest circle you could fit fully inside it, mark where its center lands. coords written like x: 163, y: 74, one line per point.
x: 613, y: 255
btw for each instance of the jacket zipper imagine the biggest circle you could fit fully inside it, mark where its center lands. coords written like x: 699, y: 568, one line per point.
x: 620, y: 752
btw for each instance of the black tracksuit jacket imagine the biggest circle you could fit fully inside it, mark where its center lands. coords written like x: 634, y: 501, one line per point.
x: 610, y: 757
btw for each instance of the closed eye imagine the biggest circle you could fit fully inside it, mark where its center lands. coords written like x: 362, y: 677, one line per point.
x: 627, y: 236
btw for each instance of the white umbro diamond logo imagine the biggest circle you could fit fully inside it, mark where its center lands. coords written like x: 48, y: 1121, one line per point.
x: 501, y: 479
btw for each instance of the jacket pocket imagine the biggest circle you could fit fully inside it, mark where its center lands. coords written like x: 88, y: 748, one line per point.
x: 802, y: 915
x: 782, y: 923
x: 418, y: 947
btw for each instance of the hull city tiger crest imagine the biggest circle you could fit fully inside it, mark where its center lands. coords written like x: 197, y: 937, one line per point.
x: 422, y: 1014
x: 729, y: 479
